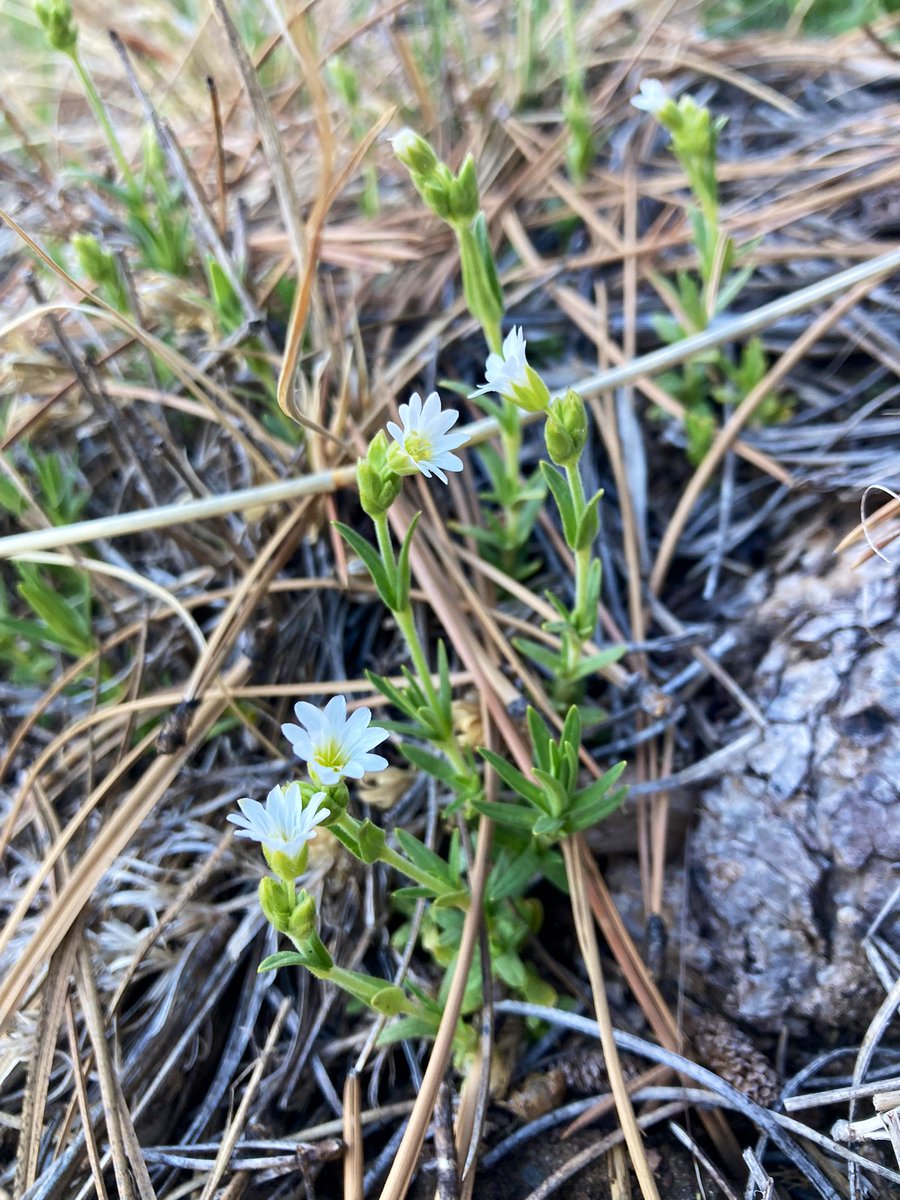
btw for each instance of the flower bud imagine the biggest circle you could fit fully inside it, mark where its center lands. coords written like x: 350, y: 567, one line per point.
x: 337, y: 798
x: 275, y: 903
x: 464, y: 192
x: 414, y: 152
x: 286, y: 866
x: 302, y: 921
x: 58, y: 22
x: 379, y: 484
x: 566, y: 429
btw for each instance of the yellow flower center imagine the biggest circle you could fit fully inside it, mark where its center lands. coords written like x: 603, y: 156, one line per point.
x: 331, y: 754
x: 418, y: 447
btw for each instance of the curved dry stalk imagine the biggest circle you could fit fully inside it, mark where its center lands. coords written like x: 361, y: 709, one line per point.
x: 587, y: 941
x: 400, y: 1175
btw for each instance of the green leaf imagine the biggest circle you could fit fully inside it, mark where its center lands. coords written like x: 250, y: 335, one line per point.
x: 402, y: 590
x: 514, y: 815
x: 457, y: 899
x: 431, y: 764
x: 562, y: 494
x: 599, y: 787
x: 347, y: 840
x: 426, y: 860
x: 405, y: 1029
x: 571, y: 730
x: 370, y: 556
x: 284, y: 958
x: 412, y: 893
x: 547, y: 826
x: 588, y: 523
x: 544, y: 656
x: 371, y: 841
x: 511, y: 878
x: 390, y: 1001
x: 585, y: 816
x: 514, y: 778
x: 540, y: 737
x: 595, y: 663
x: 392, y: 692
x: 445, y: 691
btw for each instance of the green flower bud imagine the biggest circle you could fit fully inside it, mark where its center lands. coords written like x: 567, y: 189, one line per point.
x: 464, y: 192
x: 58, y: 22
x: 286, y: 866
x: 302, y: 922
x: 378, y: 481
x: 566, y: 429
x: 534, y: 396
x: 414, y: 152
x: 275, y: 903
x: 337, y: 799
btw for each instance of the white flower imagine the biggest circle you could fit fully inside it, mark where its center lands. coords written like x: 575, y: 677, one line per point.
x: 509, y: 375
x: 507, y: 370
x: 652, y: 97
x: 333, y: 744
x: 284, y: 824
x: 424, y: 440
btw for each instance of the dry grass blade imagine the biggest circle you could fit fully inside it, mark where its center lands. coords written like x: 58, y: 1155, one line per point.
x: 236, y: 1127
x: 37, y: 1083
x: 400, y: 1176
x: 354, y: 1166
x: 584, y: 927
x: 112, y: 838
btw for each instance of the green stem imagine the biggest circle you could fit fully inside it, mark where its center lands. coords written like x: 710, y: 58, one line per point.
x: 385, y: 545
x: 99, y: 108
x: 407, y: 625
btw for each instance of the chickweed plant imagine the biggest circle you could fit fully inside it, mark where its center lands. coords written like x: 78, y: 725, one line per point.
x: 714, y: 379
x: 544, y: 807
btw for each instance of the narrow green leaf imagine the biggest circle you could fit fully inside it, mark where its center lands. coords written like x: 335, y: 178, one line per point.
x: 559, y: 486
x: 513, y: 777
x: 425, y: 859
x: 431, y: 764
x: 594, y: 663
x: 544, y: 656
x: 402, y: 590
x: 514, y: 815
x: 370, y: 556
x: 284, y: 958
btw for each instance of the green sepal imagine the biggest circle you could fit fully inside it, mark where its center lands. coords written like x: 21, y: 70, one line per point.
x: 370, y: 556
